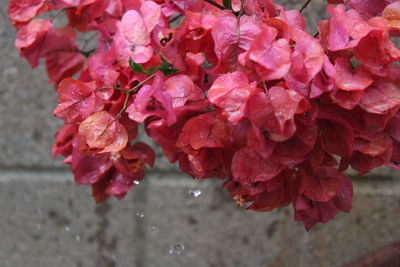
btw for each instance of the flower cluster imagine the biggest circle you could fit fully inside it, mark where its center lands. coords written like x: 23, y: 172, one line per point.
x: 236, y: 90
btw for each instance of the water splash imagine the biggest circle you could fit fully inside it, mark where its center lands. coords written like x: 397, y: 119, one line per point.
x: 195, y: 192
x: 140, y: 214
x: 176, y: 249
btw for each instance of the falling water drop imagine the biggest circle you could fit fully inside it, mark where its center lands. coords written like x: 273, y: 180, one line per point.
x: 195, y: 192
x: 39, y: 211
x: 140, y: 213
x: 176, y: 249
x: 67, y: 229
x: 153, y: 228
x: 136, y: 182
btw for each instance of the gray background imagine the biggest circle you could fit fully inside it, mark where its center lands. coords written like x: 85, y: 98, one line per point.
x: 47, y: 221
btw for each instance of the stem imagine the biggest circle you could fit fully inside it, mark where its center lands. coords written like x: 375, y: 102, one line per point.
x: 176, y: 18
x: 211, y: 2
x: 265, y: 86
x: 136, y: 87
x: 58, y: 12
x: 128, y: 94
x: 317, y: 33
x: 241, y: 11
x: 111, y: 87
x: 305, y: 5
x: 87, y: 53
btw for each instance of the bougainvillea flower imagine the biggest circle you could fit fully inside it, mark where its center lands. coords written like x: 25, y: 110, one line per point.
x: 101, y: 133
x: 77, y: 101
x: 21, y: 11
x: 63, y: 64
x: 272, y: 56
x: 380, y: 97
x: 234, y: 90
x: 231, y: 92
x: 152, y: 101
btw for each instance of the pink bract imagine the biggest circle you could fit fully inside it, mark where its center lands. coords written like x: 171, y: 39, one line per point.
x: 245, y: 95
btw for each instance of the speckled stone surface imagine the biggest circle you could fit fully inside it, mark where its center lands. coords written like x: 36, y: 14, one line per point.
x: 48, y: 221
x: 215, y: 233
x: 26, y: 104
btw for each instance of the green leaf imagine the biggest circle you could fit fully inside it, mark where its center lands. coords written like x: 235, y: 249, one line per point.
x: 167, y: 68
x: 228, y: 4
x: 206, y: 64
x: 150, y: 70
x: 135, y: 67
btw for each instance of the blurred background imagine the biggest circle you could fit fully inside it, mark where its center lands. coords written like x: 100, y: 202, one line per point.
x: 169, y: 219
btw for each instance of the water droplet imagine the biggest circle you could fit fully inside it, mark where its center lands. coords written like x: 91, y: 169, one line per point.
x: 140, y: 213
x: 39, y: 211
x: 195, y: 192
x: 78, y: 238
x: 67, y: 229
x: 136, y: 182
x: 153, y: 228
x: 176, y: 249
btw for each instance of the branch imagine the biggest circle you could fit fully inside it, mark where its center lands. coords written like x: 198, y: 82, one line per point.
x: 211, y: 2
x: 305, y: 5
x: 176, y: 18
x: 137, y: 87
x: 317, y: 33
x: 87, y: 53
x: 130, y: 92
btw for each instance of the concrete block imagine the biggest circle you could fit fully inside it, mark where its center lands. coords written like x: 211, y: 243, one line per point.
x: 216, y: 233
x: 47, y: 221
x: 26, y: 104
x: 315, y: 11
x: 373, y: 222
x: 27, y: 101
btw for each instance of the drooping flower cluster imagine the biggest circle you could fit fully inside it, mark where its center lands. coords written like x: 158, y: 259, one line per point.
x: 236, y: 90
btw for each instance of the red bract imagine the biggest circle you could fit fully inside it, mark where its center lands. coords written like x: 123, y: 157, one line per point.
x: 102, y: 133
x: 77, y: 101
x: 21, y: 11
x: 243, y: 94
x: 230, y: 92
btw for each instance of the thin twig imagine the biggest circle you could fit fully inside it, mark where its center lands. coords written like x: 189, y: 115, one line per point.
x: 111, y: 87
x: 87, y: 53
x: 241, y: 11
x: 176, y: 18
x: 215, y: 4
x: 317, y: 33
x: 265, y: 86
x: 129, y: 93
x: 54, y: 17
x: 136, y: 87
x: 305, y: 5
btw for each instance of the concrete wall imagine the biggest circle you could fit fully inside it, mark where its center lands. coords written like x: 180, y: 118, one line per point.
x: 47, y: 221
